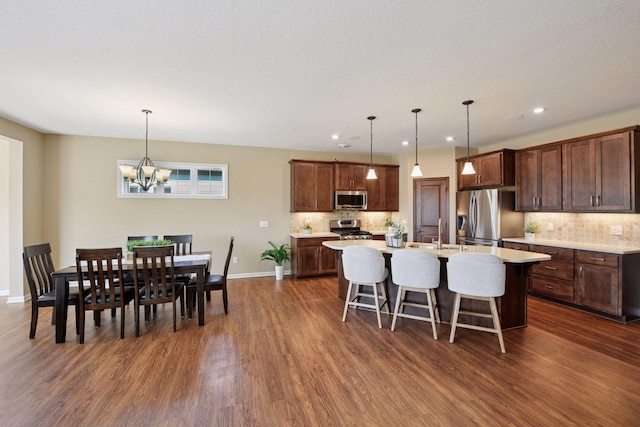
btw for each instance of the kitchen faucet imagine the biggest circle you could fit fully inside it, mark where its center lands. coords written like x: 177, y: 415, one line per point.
x: 438, y: 242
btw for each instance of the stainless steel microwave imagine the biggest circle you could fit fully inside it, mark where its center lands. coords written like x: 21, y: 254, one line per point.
x: 350, y: 200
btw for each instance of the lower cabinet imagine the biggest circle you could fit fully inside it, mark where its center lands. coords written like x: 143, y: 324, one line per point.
x: 309, y: 258
x: 599, y: 282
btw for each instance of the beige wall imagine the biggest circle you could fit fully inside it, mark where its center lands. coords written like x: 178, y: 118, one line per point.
x: 81, y: 190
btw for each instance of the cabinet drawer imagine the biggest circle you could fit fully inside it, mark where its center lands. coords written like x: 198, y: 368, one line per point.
x: 554, y: 288
x: 555, y: 253
x: 313, y: 241
x: 557, y: 269
x: 598, y: 258
x: 516, y: 246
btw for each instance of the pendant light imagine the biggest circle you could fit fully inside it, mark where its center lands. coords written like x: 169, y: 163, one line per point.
x: 145, y: 175
x: 372, y: 173
x: 416, y: 172
x: 468, y: 167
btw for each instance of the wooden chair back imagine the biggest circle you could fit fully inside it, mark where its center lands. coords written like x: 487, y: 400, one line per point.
x: 181, y: 242
x: 103, y: 279
x: 153, y: 274
x: 38, y: 267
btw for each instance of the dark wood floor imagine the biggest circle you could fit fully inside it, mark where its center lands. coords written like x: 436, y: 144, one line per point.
x: 282, y: 357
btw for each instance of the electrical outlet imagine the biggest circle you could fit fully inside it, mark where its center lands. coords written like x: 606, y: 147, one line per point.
x: 264, y: 224
x: 616, y: 230
x: 235, y: 259
x: 550, y: 226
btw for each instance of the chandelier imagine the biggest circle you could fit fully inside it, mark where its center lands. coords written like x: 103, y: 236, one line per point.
x: 145, y: 174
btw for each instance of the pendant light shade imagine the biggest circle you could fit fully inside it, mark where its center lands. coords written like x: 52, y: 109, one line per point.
x: 416, y: 172
x: 468, y: 166
x: 372, y: 173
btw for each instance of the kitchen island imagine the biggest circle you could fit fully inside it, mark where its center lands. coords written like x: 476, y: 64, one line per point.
x: 512, y: 306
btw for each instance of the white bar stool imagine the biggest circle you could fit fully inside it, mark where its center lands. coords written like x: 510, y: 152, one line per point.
x: 417, y: 271
x: 478, y: 277
x: 364, y: 266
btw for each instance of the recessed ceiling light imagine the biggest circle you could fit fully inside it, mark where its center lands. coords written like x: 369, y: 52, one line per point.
x: 513, y: 117
x: 450, y: 138
x: 405, y: 142
x: 335, y: 136
x: 539, y: 110
x: 343, y: 145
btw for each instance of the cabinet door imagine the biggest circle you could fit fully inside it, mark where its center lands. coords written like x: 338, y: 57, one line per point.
x: 597, y: 287
x: 324, y: 187
x: 308, y: 261
x: 550, y: 179
x: 350, y: 176
x: 303, y: 188
x: 327, y: 260
x: 613, y: 172
x: 382, y: 193
x: 527, y: 177
x: 490, y: 170
x: 580, y: 176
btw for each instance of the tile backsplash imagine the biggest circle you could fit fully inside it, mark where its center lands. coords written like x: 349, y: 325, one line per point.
x: 588, y: 228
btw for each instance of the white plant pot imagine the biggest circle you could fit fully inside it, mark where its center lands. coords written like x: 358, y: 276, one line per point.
x: 307, y: 231
x: 529, y: 236
x: 279, y: 272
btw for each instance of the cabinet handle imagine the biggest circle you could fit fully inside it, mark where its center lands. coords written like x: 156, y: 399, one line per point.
x: 598, y: 200
x: 549, y: 287
x: 550, y: 268
x: 580, y: 272
x: 596, y: 259
x: 590, y: 200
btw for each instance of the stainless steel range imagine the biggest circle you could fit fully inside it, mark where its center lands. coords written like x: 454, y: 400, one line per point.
x: 349, y: 229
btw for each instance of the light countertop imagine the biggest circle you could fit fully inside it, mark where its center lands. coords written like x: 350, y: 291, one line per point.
x: 507, y: 255
x: 328, y: 234
x: 622, y: 250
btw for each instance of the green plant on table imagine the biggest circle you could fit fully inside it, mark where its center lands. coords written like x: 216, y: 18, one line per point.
x: 132, y: 243
x: 306, y: 225
x: 277, y: 254
x: 399, y: 227
x: 531, y: 227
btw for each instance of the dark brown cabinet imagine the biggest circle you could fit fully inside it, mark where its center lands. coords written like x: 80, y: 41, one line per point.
x: 311, y: 186
x: 495, y: 169
x: 598, y: 281
x: 600, y: 174
x: 383, y: 193
x: 554, y: 278
x: 350, y: 176
x: 539, y: 179
x: 309, y: 258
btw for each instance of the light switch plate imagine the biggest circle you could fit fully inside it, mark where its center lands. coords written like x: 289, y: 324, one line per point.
x: 264, y: 223
x: 616, y: 230
x: 549, y: 226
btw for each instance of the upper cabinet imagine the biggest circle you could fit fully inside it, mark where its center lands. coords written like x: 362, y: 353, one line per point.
x: 311, y: 186
x: 495, y: 169
x: 539, y: 179
x: 382, y: 193
x: 350, y: 176
x: 600, y: 173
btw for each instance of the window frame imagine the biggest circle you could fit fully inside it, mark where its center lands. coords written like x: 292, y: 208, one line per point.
x: 122, y: 184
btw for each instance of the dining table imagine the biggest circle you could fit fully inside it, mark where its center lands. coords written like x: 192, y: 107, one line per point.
x: 197, y: 263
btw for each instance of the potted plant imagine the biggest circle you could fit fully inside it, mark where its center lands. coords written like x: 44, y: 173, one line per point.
x: 306, y: 227
x: 277, y: 254
x: 388, y: 224
x: 530, y: 230
x: 132, y: 243
x: 395, y: 237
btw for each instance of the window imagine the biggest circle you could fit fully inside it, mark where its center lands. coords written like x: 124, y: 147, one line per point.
x: 187, y: 180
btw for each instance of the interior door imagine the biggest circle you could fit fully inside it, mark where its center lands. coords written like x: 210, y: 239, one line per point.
x: 431, y: 204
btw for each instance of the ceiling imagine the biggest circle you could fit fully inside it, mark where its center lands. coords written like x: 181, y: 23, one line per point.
x: 290, y: 74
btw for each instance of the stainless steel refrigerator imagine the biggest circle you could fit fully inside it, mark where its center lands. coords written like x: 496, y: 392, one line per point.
x: 485, y: 217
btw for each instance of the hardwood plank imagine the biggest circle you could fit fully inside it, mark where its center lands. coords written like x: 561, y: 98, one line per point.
x: 283, y: 357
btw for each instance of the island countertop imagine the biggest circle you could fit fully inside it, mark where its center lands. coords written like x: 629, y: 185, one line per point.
x: 507, y: 255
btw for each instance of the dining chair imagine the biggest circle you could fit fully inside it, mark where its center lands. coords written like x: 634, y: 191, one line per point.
x: 182, y: 243
x: 154, y: 281
x: 364, y: 266
x: 416, y: 270
x: 476, y: 277
x: 38, y: 267
x: 214, y: 282
x: 102, y: 270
